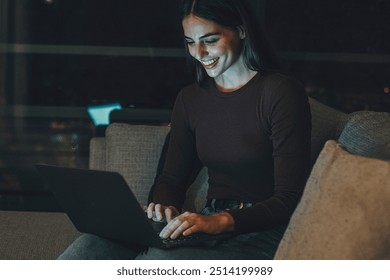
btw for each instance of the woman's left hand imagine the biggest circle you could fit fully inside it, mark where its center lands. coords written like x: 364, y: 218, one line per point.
x: 188, y: 223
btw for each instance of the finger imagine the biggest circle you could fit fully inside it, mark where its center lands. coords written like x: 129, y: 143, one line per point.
x: 158, y: 213
x: 193, y: 223
x: 190, y: 230
x: 179, y: 230
x: 150, y: 210
x: 170, y: 228
x: 170, y: 213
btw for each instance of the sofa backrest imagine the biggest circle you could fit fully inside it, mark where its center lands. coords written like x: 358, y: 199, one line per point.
x: 134, y: 150
x: 327, y: 123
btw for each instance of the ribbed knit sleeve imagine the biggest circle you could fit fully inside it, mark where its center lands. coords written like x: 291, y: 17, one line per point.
x: 180, y: 162
x: 285, y: 114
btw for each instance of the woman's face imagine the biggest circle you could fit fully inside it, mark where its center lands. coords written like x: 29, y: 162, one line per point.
x: 216, y: 47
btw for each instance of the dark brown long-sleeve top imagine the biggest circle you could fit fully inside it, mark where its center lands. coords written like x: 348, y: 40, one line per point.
x: 255, y: 143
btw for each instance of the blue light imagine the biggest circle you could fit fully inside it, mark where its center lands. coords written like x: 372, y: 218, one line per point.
x: 100, y: 114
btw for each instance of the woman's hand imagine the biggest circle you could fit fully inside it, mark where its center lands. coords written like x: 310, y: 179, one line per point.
x: 188, y: 223
x: 158, y: 212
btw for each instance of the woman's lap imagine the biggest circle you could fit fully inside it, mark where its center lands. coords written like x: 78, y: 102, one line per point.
x: 259, y: 245
x: 92, y: 247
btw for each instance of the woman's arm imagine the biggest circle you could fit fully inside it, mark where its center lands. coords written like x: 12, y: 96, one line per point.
x: 182, y: 164
x: 285, y: 113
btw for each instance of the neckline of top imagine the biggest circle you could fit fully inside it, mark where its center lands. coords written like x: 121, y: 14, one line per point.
x: 237, y: 92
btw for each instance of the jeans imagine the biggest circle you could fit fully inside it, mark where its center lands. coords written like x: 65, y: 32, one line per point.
x: 257, y: 245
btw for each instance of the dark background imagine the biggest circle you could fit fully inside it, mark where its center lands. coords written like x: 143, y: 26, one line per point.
x: 58, y: 56
x: 350, y: 40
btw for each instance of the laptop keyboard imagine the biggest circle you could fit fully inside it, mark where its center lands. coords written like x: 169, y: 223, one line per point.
x: 182, y: 239
x: 193, y: 239
x: 196, y: 239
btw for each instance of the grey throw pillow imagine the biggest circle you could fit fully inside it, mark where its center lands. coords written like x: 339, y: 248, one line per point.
x: 368, y: 134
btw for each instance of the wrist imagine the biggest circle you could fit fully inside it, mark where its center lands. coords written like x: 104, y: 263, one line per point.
x: 225, y: 221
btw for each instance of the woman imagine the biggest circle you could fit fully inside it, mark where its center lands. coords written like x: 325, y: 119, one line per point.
x: 248, y: 124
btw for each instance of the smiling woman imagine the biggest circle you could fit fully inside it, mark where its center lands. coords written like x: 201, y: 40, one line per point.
x: 237, y: 29
x: 58, y: 56
x: 217, y: 48
x: 247, y: 123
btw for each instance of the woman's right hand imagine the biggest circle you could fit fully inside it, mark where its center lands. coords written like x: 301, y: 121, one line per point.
x: 159, y: 212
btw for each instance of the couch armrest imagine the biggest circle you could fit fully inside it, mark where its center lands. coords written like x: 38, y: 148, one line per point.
x: 34, y: 235
x: 97, y: 153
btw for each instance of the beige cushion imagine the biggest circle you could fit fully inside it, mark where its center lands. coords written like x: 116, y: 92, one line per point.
x: 34, y: 235
x: 134, y: 151
x: 97, y: 153
x: 344, y: 212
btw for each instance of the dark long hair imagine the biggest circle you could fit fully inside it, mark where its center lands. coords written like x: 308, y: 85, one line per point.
x: 256, y: 50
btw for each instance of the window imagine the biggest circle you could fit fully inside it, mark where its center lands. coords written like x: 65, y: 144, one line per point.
x: 339, y: 49
x: 57, y: 57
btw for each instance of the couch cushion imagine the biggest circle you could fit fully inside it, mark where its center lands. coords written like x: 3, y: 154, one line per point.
x: 34, y: 235
x: 344, y: 211
x: 327, y: 123
x: 97, y: 153
x: 368, y: 134
x: 134, y: 151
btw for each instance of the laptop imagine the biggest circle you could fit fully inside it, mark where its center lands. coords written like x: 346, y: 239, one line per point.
x: 102, y: 203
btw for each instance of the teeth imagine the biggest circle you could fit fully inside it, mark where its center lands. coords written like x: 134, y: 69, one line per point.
x: 209, y: 62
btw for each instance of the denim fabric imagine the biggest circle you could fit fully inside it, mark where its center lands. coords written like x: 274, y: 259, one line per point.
x: 257, y: 245
x: 92, y: 247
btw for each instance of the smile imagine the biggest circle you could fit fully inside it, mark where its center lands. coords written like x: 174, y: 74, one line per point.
x: 210, y: 63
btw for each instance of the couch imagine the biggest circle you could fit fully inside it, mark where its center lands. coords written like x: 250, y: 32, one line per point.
x: 343, y: 214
